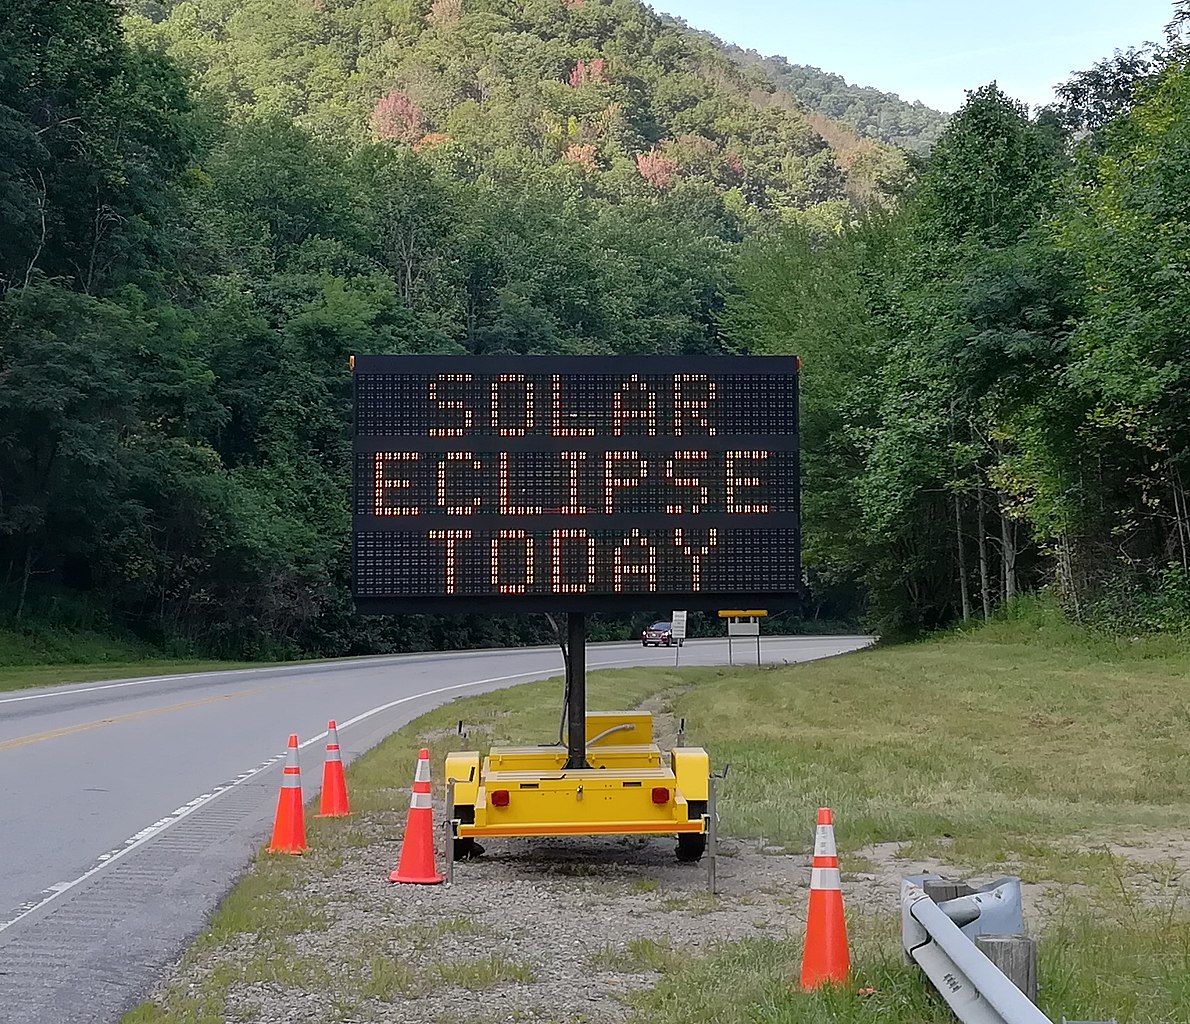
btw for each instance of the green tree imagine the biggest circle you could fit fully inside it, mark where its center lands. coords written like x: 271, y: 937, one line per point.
x: 1128, y: 383
x: 95, y: 136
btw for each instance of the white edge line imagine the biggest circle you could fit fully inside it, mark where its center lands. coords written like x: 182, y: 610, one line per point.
x: 159, y: 826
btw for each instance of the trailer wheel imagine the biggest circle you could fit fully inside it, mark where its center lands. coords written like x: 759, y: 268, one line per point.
x: 692, y: 845
x: 466, y: 847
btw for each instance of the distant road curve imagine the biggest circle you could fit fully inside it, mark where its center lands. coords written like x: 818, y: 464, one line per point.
x: 130, y: 806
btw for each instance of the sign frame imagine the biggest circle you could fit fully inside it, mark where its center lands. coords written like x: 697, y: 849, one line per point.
x: 788, y: 520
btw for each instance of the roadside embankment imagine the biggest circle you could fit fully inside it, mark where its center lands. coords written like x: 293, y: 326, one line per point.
x: 1024, y: 748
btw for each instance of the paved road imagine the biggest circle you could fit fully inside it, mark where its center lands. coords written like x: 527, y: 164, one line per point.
x: 128, y: 808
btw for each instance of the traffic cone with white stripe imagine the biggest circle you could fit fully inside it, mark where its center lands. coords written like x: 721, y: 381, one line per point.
x: 417, y: 850
x: 826, y: 959
x: 289, y: 828
x: 334, y: 802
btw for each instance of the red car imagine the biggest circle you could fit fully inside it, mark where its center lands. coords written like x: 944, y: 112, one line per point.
x: 660, y: 634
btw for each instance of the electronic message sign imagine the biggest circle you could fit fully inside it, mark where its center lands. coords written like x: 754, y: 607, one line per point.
x: 575, y: 484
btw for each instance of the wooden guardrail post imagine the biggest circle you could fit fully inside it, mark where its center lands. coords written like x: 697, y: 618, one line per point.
x: 942, y: 889
x: 1016, y: 956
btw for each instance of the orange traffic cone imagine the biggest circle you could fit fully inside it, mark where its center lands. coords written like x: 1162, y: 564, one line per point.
x: 289, y: 829
x: 334, y: 783
x: 826, y: 958
x: 417, y: 849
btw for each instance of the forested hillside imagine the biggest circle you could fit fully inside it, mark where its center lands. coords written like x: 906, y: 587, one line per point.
x: 605, y: 92
x: 868, y: 112
x: 207, y: 205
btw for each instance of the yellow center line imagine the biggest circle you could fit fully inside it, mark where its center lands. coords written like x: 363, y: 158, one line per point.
x: 135, y: 716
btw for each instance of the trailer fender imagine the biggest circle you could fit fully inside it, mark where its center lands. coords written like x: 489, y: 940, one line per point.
x: 692, y: 769
x: 463, y: 767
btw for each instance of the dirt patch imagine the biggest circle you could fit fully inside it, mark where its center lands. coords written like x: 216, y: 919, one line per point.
x: 1151, y: 868
x: 1149, y: 849
x: 880, y: 890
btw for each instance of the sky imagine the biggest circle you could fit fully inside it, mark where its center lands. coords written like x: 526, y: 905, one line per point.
x: 933, y: 50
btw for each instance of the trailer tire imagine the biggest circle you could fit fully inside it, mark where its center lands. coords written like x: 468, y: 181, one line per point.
x: 692, y: 845
x: 466, y: 848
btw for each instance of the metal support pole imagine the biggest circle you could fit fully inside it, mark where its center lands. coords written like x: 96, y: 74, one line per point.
x: 712, y: 833
x: 576, y: 700
x: 451, y: 822
x: 730, y: 650
x: 758, y: 662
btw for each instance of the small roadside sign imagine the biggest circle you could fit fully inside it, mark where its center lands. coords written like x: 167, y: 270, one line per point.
x: 743, y: 627
x: 677, y: 628
x: 745, y: 622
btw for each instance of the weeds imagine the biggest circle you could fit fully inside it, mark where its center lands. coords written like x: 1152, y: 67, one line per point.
x: 386, y: 979
x: 482, y: 974
x: 639, y: 956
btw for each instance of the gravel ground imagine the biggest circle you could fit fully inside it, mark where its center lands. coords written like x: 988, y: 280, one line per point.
x: 543, y: 931
x: 549, y: 931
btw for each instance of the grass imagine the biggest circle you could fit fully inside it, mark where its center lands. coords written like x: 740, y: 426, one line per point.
x: 429, y: 935
x: 638, y: 955
x: 40, y: 655
x: 422, y: 936
x: 1133, y: 966
x: 37, y: 654
x: 481, y: 974
x: 37, y: 642
x: 21, y: 677
x: 280, y: 964
x: 1006, y: 749
x: 388, y: 979
x: 1015, y: 735
x: 694, y: 903
x: 755, y: 982
x: 265, y: 902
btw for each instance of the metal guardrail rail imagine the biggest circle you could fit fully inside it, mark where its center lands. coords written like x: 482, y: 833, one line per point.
x: 938, y: 937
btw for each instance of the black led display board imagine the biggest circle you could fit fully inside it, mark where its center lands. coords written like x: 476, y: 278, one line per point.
x: 575, y: 483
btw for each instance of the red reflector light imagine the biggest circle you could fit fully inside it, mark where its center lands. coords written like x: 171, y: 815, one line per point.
x: 660, y: 795
x: 500, y: 798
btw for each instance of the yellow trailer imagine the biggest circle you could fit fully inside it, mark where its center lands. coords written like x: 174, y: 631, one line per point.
x: 609, y: 779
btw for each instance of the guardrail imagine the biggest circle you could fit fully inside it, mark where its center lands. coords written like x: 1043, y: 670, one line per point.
x: 938, y: 937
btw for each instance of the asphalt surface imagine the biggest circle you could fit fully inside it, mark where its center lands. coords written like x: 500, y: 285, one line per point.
x: 127, y: 809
